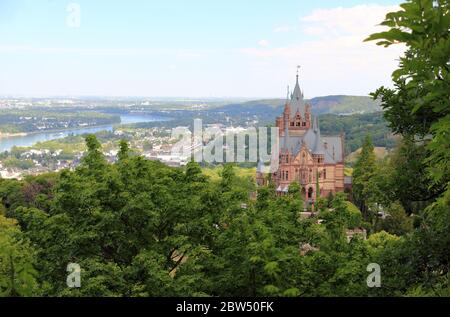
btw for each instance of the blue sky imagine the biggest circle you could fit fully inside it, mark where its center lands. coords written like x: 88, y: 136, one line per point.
x: 196, y: 48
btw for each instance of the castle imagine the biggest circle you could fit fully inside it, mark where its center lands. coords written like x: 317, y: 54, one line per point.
x: 314, y: 161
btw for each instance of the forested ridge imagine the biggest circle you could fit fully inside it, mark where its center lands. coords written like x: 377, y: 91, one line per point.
x: 140, y: 228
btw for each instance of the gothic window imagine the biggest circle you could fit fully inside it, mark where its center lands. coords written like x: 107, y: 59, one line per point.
x: 324, y: 173
x: 287, y: 175
x: 287, y: 158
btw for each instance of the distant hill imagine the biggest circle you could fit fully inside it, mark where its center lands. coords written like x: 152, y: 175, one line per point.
x: 344, y: 105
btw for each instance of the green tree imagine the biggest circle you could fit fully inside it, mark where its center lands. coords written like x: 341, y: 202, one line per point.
x: 124, y: 150
x: 418, y: 109
x: 418, y: 105
x: 396, y: 221
x: 17, y: 260
x: 93, y: 161
x: 364, y: 170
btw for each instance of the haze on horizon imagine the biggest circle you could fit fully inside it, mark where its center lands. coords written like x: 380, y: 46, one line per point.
x: 200, y: 49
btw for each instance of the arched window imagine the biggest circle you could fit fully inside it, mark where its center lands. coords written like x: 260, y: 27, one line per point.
x: 324, y: 173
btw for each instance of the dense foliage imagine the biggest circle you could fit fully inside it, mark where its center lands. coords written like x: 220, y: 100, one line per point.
x: 140, y: 228
x: 418, y: 108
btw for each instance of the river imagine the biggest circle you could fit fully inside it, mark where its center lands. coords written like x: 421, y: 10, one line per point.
x: 6, y: 144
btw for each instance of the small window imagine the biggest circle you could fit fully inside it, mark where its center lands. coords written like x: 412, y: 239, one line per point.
x: 292, y: 124
x: 304, y: 124
x: 325, y: 173
x: 298, y: 124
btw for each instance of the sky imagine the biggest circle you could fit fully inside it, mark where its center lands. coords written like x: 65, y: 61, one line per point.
x: 195, y: 48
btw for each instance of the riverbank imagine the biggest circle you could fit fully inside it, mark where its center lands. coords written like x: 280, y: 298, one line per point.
x: 12, y: 135
x: 31, y: 138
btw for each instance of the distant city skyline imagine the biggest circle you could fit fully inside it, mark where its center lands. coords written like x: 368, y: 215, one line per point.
x: 192, y: 49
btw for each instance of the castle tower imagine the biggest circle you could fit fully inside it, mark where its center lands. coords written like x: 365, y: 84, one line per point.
x: 306, y: 156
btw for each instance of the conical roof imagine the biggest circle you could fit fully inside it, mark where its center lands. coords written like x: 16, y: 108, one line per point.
x: 297, y: 102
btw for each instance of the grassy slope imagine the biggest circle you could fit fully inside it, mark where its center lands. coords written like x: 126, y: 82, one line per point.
x: 380, y: 153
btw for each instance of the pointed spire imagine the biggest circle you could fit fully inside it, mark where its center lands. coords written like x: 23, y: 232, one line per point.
x: 297, y: 102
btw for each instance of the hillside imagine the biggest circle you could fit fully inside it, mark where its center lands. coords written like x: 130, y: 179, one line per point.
x: 320, y: 105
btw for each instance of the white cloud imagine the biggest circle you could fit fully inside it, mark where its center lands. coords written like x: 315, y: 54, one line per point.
x: 332, y: 52
x: 361, y: 20
x: 263, y: 43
